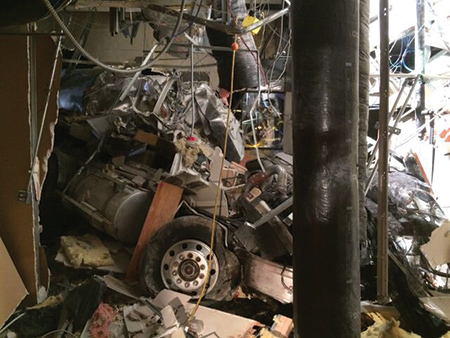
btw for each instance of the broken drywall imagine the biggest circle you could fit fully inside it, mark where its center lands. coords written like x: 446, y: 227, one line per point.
x: 12, y: 290
x: 18, y: 220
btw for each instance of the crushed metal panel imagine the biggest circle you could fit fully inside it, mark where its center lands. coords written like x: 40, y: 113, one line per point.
x: 267, y: 277
x: 12, y: 290
x: 437, y: 250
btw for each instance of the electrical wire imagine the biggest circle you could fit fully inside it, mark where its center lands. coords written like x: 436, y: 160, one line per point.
x: 101, y: 64
x: 218, y: 194
x: 193, y: 20
x: 440, y: 30
x: 5, y: 327
x: 419, y: 130
x: 255, y: 141
x: 44, y: 114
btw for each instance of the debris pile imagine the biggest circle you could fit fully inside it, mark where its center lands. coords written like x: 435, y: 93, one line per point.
x: 141, y: 169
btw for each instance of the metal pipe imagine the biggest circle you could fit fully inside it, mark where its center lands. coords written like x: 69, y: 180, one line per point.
x: 32, y: 33
x: 136, y: 75
x: 412, y: 76
x: 375, y: 167
x: 192, y: 89
x: 271, y: 214
x: 419, y: 59
x: 217, y: 48
x: 391, y: 113
x: 382, y: 234
x: 364, y: 89
x: 325, y: 129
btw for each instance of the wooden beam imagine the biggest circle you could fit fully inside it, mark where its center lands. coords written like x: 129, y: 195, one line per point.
x: 162, y: 210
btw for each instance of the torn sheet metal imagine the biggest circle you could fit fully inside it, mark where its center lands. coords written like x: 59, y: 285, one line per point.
x: 267, y: 277
x: 215, y: 112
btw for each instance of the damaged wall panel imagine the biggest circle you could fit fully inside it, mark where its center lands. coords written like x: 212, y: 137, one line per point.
x: 18, y: 220
x: 12, y: 290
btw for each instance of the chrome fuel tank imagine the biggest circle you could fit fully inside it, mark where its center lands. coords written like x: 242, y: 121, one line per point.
x: 111, y: 204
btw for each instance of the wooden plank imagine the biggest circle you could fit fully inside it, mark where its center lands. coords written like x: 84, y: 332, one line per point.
x: 162, y: 210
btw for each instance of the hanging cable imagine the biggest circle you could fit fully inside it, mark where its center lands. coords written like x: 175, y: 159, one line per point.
x: 255, y: 141
x: 218, y: 190
x: 103, y: 65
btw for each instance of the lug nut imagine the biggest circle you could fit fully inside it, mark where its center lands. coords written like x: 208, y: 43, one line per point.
x: 181, y: 257
x: 202, y: 276
x: 195, y: 283
x: 174, y: 273
x: 198, y: 259
x: 190, y: 255
x: 202, y: 267
x: 175, y: 264
x: 186, y: 285
x: 178, y: 281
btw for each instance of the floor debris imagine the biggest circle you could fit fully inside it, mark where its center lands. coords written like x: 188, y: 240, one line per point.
x: 101, y: 320
x: 383, y: 328
x: 86, y: 250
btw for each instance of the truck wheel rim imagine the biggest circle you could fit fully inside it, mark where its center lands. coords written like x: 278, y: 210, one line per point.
x: 184, y: 267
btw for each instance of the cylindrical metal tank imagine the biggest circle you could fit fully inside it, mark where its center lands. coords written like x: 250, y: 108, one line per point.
x: 110, y: 204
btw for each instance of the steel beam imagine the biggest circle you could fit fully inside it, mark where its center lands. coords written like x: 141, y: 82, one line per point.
x: 382, y: 236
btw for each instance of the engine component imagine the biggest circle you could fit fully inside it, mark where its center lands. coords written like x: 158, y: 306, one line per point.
x: 215, y: 112
x: 262, y: 179
x: 110, y: 204
x: 181, y: 237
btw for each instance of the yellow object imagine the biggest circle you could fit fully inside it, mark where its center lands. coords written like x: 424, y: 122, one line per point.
x: 385, y: 328
x: 250, y: 20
x: 86, y: 250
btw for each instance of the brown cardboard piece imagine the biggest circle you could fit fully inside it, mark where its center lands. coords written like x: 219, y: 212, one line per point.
x: 12, y: 290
